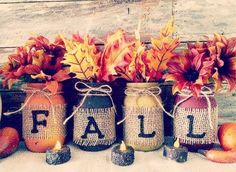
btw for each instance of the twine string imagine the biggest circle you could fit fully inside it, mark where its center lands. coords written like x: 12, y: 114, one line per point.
x: 35, y: 91
x: 205, y: 92
x: 105, y: 89
x: 148, y: 91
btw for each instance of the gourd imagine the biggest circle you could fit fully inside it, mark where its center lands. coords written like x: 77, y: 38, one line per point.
x: 227, y: 138
x: 9, y: 141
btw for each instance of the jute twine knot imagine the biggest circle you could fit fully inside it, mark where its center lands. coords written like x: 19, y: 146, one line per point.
x: 206, y: 91
x: 33, y: 92
x: 152, y: 91
x: 103, y: 90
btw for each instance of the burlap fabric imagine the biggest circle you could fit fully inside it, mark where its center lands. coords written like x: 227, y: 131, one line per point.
x: 54, y: 125
x: 153, y: 121
x: 200, y: 125
x: 105, y: 120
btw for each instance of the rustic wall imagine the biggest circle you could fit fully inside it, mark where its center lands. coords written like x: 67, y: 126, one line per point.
x: 193, y: 19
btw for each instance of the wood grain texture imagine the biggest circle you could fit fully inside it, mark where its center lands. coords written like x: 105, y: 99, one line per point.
x: 196, y: 18
x: 97, y: 18
x: 4, y: 52
x: 33, y: 1
x: 227, y: 106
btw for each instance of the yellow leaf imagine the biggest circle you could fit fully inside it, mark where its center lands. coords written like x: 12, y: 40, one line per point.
x: 10, y: 82
x: 162, y: 48
x: 82, y: 57
x: 168, y: 29
x: 37, y: 60
x: 41, y: 75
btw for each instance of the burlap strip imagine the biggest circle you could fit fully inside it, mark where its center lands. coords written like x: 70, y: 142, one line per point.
x: 200, y: 125
x: 54, y: 123
x: 153, y: 121
x: 105, y: 119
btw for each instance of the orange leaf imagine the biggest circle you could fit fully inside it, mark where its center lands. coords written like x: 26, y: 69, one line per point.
x: 162, y: 50
x: 61, y: 76
x: 52, y: 86
x: 32, y: 69
x: 10, y: 82
x: 116, y: 54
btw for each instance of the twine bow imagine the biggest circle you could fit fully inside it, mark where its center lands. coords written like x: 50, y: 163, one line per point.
x: 205, y: 92
x: 35, y: 91
x: 148, y: 91
x: 105, y: 89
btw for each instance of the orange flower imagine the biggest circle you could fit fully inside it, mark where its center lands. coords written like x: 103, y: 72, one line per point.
x: 19, y: 64
x: 224, y: 52
x: 189, y: 71
x: 38, y: 59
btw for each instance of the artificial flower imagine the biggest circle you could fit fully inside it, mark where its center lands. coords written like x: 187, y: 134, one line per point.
x: 189, y: 71
x: 224, y: 52
x: 19, y: 64
x: 38, y: 59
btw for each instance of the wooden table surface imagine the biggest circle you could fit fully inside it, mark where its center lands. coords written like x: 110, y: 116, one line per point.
x: 81, y: 161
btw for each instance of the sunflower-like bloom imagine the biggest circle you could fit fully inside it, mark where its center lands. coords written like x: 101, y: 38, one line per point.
x: 189, y: 71
x: 224, y: 52
x: 38, y: 59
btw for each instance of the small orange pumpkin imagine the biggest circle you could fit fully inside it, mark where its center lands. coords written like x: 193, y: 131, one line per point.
x: 9, y: 141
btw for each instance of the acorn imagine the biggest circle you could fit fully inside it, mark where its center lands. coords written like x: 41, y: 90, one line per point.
x: 9, y: 141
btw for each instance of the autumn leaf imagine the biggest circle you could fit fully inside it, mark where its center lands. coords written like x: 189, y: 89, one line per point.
x: 168, y: 29
x: 42, y: 76
x: 32, y: 69
x: 10, y: 83
x: 116, y: 55
x: 82, y: 58
x: 61, y: 75
x: 137, y: 67
x: 52, y: 86
x: 161, y: 52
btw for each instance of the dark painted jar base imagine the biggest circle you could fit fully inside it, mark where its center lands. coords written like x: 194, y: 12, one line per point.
x: 196, y: 147
x: 94, y: 148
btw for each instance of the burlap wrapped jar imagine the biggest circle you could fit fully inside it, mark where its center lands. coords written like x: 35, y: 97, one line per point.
x: 94, y: 120
x: 196, y: 120
x: 42, y: 117
x: 143, y: 124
